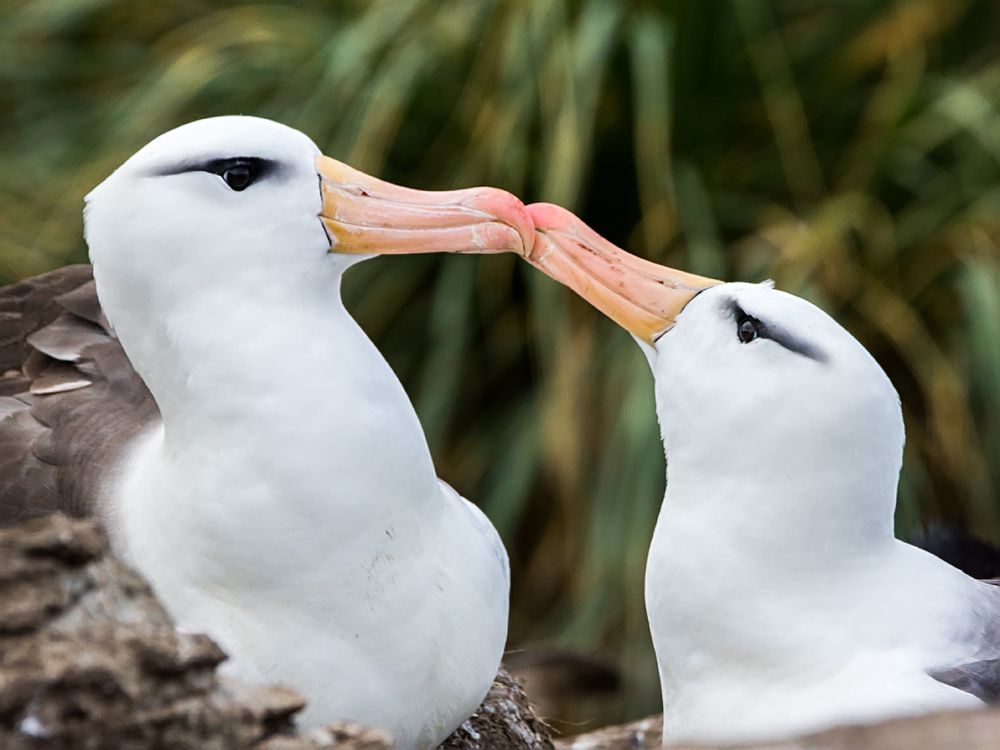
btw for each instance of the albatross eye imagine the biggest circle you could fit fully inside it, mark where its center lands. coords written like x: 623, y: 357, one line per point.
x: 238, y: 176
x: 238, y: 172
x: 746, y: 329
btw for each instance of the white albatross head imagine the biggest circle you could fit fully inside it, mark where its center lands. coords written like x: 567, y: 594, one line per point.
x: 766, y: 389
x: 250, y: 204
x: 760, y: 394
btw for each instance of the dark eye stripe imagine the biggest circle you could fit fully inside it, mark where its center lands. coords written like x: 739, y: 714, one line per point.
x: 261, y: 168
x: 780, y: 336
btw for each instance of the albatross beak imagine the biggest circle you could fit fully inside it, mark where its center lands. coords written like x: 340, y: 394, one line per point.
x: 364, y: 215
x: 642, y: 297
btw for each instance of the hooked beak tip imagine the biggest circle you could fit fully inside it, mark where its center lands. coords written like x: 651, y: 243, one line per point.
x: 365, y: 215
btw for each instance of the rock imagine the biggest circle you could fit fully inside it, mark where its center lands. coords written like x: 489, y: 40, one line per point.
x: 90, y: 659
x: 334, y: 737
x: 506, y: 719
x: 951, y: 730
x: 644, y: 734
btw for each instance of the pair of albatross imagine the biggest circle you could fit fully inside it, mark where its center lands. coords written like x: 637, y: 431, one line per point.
x: 254, y: 456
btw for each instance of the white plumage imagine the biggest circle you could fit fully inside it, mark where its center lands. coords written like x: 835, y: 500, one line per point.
x: 287, y: 503
x: 779, y: 600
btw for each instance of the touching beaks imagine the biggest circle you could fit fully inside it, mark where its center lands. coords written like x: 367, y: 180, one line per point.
x: 364, y: 215
x: 367, y: 216
x: 643, y: 297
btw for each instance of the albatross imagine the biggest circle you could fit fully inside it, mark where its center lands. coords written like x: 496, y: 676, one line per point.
x: 207, y: 395
x: 779, y: 599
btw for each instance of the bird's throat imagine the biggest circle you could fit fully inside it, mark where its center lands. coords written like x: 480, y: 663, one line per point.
x: 285, y: 434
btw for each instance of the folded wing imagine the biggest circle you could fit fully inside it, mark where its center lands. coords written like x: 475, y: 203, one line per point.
x: 70, y: 401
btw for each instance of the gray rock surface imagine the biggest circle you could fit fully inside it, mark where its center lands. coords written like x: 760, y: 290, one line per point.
x: 89, y: 659
x: 951, y: 730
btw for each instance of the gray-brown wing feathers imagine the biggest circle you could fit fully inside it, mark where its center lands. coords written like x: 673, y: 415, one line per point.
x: 980, y: 674
x: 69, y: 398
x: 981, y: 678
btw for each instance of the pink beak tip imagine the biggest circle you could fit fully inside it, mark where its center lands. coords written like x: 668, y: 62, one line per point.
x: 550, y: 216
x: 512, y: 212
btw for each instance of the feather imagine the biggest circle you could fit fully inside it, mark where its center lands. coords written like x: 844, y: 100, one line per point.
x: 70, y: 401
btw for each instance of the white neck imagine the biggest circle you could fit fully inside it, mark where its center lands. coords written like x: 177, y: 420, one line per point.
x: 779, y: 512
x: 281, y: 420
x: 749, y: 566
x: 289, y: 508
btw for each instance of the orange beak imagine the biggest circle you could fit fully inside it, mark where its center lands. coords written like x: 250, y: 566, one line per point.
x: 642, y: 297
x: 364, y: 215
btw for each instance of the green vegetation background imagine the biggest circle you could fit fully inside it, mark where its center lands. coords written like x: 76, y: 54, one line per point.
x: 848, y: 149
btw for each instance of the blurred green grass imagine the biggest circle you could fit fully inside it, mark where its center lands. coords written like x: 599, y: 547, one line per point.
x: 849, y: 149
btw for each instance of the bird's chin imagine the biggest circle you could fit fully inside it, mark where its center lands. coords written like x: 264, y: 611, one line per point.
x: 649, y: 351
x: 345, y: 261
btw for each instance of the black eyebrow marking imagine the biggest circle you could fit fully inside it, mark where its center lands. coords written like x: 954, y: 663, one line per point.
x: 263, y: 168
x: 780, y: 336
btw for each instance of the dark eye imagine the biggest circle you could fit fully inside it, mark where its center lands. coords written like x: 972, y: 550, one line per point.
x: 746, y: 329
x: 239, y: 176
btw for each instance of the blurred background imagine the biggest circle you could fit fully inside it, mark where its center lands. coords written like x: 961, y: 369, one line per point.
x: 848, y: 149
